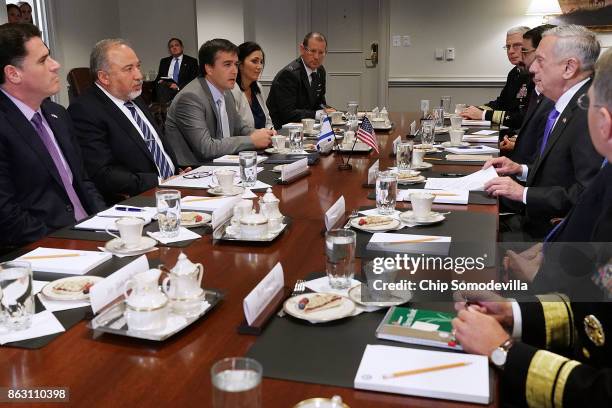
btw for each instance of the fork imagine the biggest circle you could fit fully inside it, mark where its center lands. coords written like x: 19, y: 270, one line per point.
x: 354, y: 214
x: 298, y: 288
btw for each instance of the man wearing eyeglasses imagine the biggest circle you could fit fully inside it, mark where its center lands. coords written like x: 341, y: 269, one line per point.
x: 298, y: 90
x: 510, y: 106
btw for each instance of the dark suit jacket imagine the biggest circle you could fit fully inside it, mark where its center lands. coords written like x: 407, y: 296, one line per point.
x: 558, y: 176
x: 33, y: 200
x: 116, y: 156
x: 291, y: 98
x: 187, y: 72
x: 531, y: 132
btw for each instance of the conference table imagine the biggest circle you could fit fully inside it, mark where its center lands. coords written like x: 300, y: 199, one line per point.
x: 114, y: 371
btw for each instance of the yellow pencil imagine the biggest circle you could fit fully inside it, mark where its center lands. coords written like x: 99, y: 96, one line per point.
x: 50, y: 256
x: 425, y: 370
x: 431, y: 158
x: 416, y: 240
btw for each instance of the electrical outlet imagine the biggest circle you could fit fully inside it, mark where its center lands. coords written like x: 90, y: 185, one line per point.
x: 450, y: 54
x: 439, y: 53
x: 406, y: 41
x: 396, y: 40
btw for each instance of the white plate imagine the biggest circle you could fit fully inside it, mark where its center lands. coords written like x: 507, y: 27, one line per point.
x: 401, y: 296
x: 448, y: 144
x: 421, y: 166
x: 434, y: 217
x: 216, y: 191
x: 381, y: 127
x: 413, y: 180
x: 393, y: 224
x: 50, y: 292
x: 346, y: 308
x: 206, y: 218
x: 116, y: 246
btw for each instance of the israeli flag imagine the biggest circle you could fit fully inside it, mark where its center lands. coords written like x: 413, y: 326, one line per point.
x: 326, y: 136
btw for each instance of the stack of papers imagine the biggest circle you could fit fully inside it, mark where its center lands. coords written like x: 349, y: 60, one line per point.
x: 441, y: 195
x: 472, y: 150
x: 482, y: 136
x: 444, y: 375
x: 471, y: 182
x: 409, y: 243
x: 106, y: 219
x: 66, y: 261
x: 470, y: 122
x: 234, y: 159
x: 469, y: 157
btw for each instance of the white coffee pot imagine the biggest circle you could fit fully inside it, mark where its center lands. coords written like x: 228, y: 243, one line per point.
x: 146, y: 303
x: 184, y: 281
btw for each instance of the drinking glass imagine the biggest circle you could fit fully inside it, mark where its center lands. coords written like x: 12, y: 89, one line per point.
x: 445, y: 102
x: 425, y: 106
x: 403, y: 156
x: 295, y: 140
x: 16, y: 300
x: 168, y: 212
x: 459, y: 108
x: 236, y: 383
x: 428, y: 133
x: 386, y: 192
x: 351, y: 108
x: 248, y: 168
x: 456, y: 122
x: 438, y: 114
x: 340, y: 257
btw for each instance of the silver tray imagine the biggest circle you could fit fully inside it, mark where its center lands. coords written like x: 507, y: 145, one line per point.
x: 113, y: 321
x: 221, y: 234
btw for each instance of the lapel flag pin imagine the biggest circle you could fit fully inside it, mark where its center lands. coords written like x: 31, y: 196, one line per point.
x: 564, y: 120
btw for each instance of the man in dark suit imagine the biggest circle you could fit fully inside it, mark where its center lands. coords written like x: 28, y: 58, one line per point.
x: 567, y: 160
x: 181, y: 68
x: 43, y: 185
x: 123, y: 149
x: 298, y: 90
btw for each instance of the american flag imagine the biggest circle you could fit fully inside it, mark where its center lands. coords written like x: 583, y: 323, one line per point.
x: 366, y: 134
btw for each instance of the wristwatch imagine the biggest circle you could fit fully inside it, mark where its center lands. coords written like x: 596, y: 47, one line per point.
x: 499, y: 355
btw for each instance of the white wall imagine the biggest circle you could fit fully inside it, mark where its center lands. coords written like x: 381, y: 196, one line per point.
x: 220, y: 19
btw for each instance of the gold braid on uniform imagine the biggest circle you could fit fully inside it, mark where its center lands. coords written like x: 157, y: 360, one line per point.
x: 498, y: 117
x: 546, y: 379
x: 559, y: 321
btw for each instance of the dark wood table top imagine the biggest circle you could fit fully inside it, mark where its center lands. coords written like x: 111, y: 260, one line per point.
x: 113, y: 371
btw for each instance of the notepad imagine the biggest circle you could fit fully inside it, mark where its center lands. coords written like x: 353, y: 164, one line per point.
x: 472, y: 150
x: 468, y: 383
x: 470, y: 122
x: 65, y: 261
x: 409, y: 243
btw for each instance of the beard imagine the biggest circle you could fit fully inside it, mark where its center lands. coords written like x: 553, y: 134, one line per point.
x: 134, y: 94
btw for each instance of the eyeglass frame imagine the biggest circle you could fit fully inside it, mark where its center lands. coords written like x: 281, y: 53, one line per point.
x: 581, y: 102
x: 511, y: 46
x: 319, y: 53
x: 198, y: 174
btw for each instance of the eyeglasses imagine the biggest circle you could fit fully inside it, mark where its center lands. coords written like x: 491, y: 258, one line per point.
x: 198, y: 175
x: 526, y: 51
x: 317, y: 52
x: 584, y: 102
x: 507, y: 47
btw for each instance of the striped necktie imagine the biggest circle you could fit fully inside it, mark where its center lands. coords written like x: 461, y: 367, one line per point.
x: 159, y: 158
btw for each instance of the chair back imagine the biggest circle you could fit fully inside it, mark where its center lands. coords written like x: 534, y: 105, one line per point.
x: 79, y: 80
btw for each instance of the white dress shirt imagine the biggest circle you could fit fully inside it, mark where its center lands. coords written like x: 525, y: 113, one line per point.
x: 174, y: 61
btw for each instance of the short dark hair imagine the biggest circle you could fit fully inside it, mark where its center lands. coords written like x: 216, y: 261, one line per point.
x: 13, y: 37
x: 535, y: 34
x: 208, y: 52
x: 244, y: 50
x: 314, y: 34
x: 13, y: 6
x: 175, y: 39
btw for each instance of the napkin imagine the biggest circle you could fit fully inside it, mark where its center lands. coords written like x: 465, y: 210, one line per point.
x: 184, y: 235
x: 57, y: 305
x: 401, y: 243
x: 321, y: 285
x: 258, y: 185
x: 248, y: 194
x: 43, y: 324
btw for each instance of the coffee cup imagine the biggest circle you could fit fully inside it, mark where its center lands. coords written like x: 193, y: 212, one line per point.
x: 225, y: 178
x: 456, y: 136
x: 417, y: 156
x: 278, y: 142
x: 421, y: 205
x: 336, y: 118
x: 308, y: 124
x: 130, y: 230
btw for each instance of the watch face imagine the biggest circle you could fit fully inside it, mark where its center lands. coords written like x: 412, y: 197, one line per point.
x: 498, y: 357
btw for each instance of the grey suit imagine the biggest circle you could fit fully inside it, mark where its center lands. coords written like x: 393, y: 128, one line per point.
x: 192, y: 126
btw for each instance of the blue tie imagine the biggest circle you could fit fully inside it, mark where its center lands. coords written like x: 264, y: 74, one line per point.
x: 158, y: 155
x: 552, y: 117
x: 175, y: 70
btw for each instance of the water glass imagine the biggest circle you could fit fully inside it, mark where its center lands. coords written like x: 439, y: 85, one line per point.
x: 168, y: 212
x: 456, y: 122
x: 340, y: 257
x: 295, y: 140
x: 425, y: 106
x: 428, y: 134
x: 236, y: 383
x: 386, y: 192
x: 351, y: 108
x: 16, y: 299
x: 248, y: 168
x: 438, y: 114
x: 445, y: 102
x: 403, y: 156
x: 459, y: 108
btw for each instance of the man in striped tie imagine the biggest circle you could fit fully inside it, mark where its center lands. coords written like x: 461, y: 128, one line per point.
x: 124, y: 150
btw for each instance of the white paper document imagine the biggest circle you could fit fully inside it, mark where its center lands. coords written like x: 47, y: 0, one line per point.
x: 66, y: 261
x: 57, y: 305
x: 262, y: 294
x: 471, y: 182
x: 468, y: 381
x: 294, y: 169
x: 335, y: 212
x: 109, y: 289
x: 484, y: 132
x: 118, y: 211
x: 441, y: 196
x: 200, y: 203
x: 480, y: 139
x: 472, y: 150
x: 409, y: 243
x: 482, y: 158
x: 471, y: 122
x: 234, y: 159
x: 202, y: 177
x: 43, y: 324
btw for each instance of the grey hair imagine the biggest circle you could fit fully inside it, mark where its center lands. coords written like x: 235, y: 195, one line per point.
x: 575, y: 41
x: 518, y: 30
x: 98, y: 59
x: 602, y: 83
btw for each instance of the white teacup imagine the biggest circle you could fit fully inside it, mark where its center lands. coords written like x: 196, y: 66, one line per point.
x: 225, y: 178
x: 308, y: 124
x: 456, y: 121
x: 336, y: 118
x: 278, y: 141
x: 421, y: 205
x: 130, y: 230
x: 456, y: 136
x: 417, y: 156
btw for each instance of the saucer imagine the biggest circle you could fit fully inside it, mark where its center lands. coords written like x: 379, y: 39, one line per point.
x: 448, y: 144
x: 433, y: 218
x: 71, y: 288
x: 117, y: 246
x: 411, y: 180
x: 216, y: 191
x: 204, y: 218
x: 421, y: 166
x: 396, y: 297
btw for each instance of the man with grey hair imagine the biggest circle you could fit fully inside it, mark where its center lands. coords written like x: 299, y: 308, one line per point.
x: 123, y: 149
x: 566, y: 161
x: 510, y: 106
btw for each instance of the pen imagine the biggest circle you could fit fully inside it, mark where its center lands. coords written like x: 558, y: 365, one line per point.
x: 129, y: 209
x: 453, y: 174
